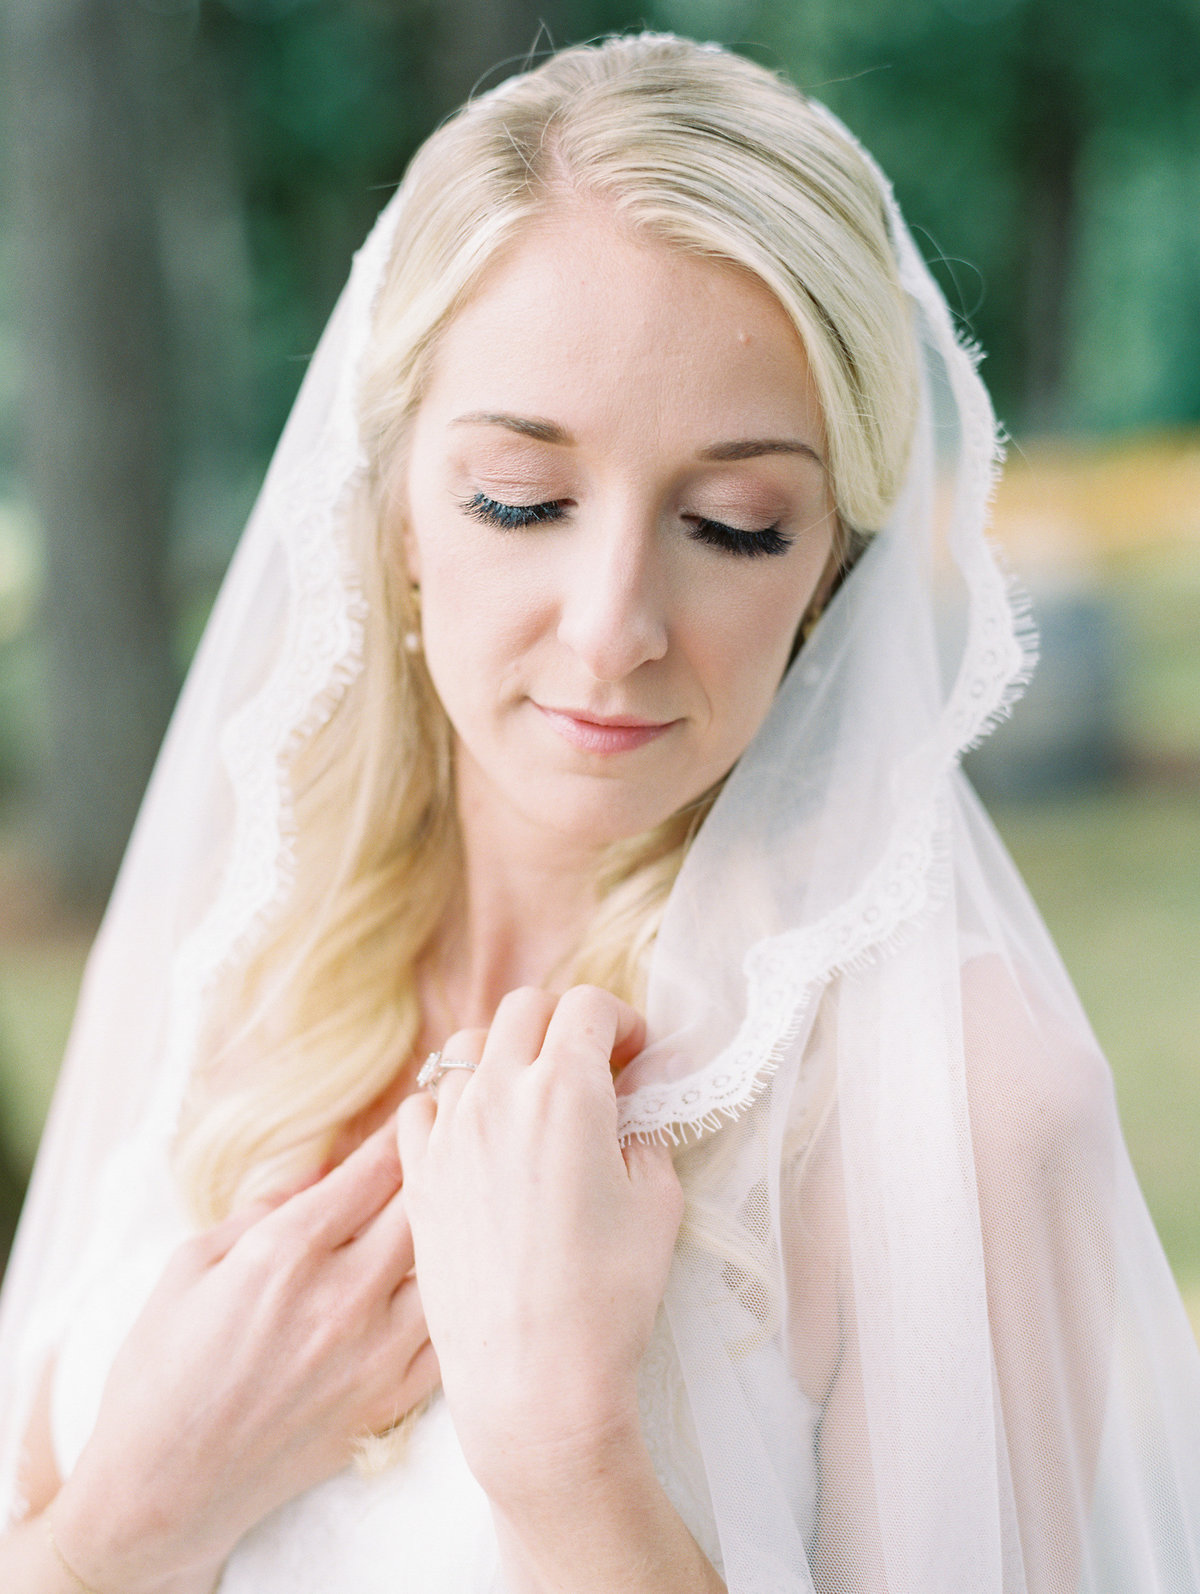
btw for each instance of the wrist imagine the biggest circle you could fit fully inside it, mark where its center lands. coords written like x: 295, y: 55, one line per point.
x: 555, y: 1433
x: 604, y: 1524
x: 68, y: 1577
x: 569, y: 1470
x: 99, y: 1552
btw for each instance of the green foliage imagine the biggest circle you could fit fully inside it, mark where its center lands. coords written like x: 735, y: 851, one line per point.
x: 1017, y: 133
x: 1040, y: 147
x: 327, y: 103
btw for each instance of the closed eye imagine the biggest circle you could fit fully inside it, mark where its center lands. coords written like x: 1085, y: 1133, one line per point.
x: 513, y: 516
x: 750, y: 544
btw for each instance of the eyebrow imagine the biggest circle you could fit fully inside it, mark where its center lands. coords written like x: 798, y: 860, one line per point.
x: 755, y: 447
x: 549, y: 432
x: 527, y: 426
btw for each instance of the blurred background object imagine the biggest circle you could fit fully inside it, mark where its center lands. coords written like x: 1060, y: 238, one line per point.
x: 184, y: 183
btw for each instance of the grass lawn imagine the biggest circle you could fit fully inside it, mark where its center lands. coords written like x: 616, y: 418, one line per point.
x: 1117, y: 878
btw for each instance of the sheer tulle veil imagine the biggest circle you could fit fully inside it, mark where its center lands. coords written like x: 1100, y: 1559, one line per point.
x: 909, y: 1203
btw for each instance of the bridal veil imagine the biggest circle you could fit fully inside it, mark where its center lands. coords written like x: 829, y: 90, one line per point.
x: 909, y: 1201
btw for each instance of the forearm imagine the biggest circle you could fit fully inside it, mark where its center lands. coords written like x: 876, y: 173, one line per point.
x: 45, y: 1556
x: 28, y: 1563
x: 600, y: 1524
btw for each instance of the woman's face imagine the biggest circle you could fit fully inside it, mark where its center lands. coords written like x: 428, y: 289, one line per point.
x: 616, y: 506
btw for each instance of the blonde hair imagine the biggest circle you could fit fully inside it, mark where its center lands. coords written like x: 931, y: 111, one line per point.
x: 691, y: 146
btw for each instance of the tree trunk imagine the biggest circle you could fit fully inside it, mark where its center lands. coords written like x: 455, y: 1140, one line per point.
x: 1050, y: 156
x: 96, y: 418
x: 478, y: 43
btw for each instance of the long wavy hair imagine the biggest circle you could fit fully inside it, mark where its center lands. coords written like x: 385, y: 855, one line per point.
x: 691, y: 146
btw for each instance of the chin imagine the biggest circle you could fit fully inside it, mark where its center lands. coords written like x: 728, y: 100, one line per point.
x: 607, y: 817
x: 587, y: 819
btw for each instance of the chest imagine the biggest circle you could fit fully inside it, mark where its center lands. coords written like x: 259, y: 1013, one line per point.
x: 423, y: 1525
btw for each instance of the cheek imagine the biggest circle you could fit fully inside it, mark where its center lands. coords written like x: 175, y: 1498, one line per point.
x: 481, y: 623
x: 749, y: 634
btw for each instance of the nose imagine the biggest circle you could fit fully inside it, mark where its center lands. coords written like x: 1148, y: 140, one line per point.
x: 613, y: 604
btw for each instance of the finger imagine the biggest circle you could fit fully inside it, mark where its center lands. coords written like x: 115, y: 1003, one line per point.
x: 385, y: 1246
x: 465, y: 1045
x: 592, y: 1029
x: 216, y: 1243
x: 630, y: 1038
x: 519, y: 1029
x: 338, y: 1206
x: 407, y: 1314
x: 414, y: 1375
x: 423, y: 1375
x: 414, y: 1122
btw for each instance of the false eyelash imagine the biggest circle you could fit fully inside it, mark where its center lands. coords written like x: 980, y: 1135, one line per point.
x: 749, y: 544
x: 511, y: 517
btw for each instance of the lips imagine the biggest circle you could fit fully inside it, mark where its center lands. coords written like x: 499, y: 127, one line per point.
x: 603, y: 733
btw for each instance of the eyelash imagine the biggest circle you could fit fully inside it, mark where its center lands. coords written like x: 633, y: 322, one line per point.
x: 746, y: 544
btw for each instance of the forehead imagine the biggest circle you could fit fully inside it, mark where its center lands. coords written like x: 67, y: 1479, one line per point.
x: 581, y: 319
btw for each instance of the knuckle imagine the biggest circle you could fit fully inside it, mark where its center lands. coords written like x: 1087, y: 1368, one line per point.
x: 590, y: 998
x: 465, y: 1043
x: 525, y: 1000
x: 260, y: 1253
x: 578, y: 1048
x: 596, y: 1011
x: 194, y: 1255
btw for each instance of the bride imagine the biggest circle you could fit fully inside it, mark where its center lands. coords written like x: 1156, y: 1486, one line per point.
x: 570, y: 1093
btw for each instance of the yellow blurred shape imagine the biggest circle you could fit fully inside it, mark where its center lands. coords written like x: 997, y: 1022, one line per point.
x: 1063, y: 501
x: 18, y: 568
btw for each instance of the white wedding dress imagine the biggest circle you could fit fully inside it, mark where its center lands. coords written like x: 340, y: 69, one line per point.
x: 422, y: 1526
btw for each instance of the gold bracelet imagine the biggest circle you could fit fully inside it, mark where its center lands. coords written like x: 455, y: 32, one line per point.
x: 84, y: 1588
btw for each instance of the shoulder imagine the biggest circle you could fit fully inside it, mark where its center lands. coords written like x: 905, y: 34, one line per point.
x: 1038, y: 1086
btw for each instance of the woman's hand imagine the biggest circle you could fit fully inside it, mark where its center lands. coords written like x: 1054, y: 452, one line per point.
x: 542, y: 1247
x: 269, y: 1345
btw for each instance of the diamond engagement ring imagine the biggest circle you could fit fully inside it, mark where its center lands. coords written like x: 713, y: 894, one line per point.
x: 434, y: 1066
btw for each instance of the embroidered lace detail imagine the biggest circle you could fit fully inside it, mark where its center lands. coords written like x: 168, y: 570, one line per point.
x: 321, y: 654
x: 785, y: 973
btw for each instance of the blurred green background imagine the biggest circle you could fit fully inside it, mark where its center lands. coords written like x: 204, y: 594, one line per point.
x: 184, y: 183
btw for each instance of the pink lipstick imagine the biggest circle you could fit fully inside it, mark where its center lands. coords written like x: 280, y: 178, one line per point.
x: 603, y: 733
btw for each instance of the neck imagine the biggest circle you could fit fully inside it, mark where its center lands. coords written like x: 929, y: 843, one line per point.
x: 525, y: 902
